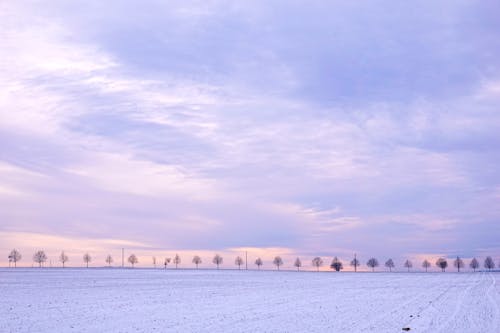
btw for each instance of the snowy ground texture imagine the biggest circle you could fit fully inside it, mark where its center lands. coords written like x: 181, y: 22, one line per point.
x: 141, y: 300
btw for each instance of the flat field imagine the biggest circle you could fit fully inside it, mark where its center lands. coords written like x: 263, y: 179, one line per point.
x: 147, y: 300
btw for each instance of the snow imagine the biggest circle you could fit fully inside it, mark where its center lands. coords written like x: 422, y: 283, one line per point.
x: 147, y: 300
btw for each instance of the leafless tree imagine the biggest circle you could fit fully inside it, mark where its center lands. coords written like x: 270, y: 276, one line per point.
x: 196, y: 261
x: 474, y: 264
x: 426, y: 264
x: 297, y: 263
x: 217, y: 260
x: 458, y: 263
x: 14, y: 256
x: 166, y: 262
x: 317, y: 262
x: 87, y: 258
x: 489, y: 263
x: 132, y: 259
x: 154, y: 262
x: 177, y: 260
x: 336, y: 264
x: 238, y: 261
x: 40, y: 257
x: 109, y: 260
x: 372, y: 263
x: 442, y: 263
x: 355, y: 263
x: 408, y: 264
x: 258, y: 262
x: 63, y: 258
x: 389, y: 264
x: 278, y: 262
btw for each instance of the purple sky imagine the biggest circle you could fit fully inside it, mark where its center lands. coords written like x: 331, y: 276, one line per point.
x: 300, y: 128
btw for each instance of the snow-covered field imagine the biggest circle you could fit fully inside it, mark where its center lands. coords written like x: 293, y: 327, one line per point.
x: 143, y: 300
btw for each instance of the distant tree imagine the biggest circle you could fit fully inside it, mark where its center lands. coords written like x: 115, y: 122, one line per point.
x: 317, y: 262
x: 154, y: 262
x: 109, y: 260
x: 87, y: 258
x: 426, y: 264
x: 458, y: 263
x: 14, y: 256
x: 217, y: 260
x: 297, y: 263
x: 196, y: 261
x: 389, y: 264
x: 355, y: 263
x: 489, y: 263
x: 258, y: 262
x: 63, y: 258
x: 278, y: 262
x: 166, y: 262
x: 40, y: 257
x: 442, y: 263
x: 238, y: 261
x: 372, y: 263
x: 474, y: 264
x: 408, y: 264
x: 133, y: 260
x: 177, y: 260
x: 336, y: 265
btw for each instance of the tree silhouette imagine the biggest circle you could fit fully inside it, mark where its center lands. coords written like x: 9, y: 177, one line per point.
x: 258, y: 262
x: 317, y: 262
x: 14, y: 256
x: 355, y: 263
x: 132, y: 259
x: 489, y: 263
x: 177, y: 260
x: 297, y: 263
x: 63, y: 258
x: 39, y: 257
x: 109, y: 260
x: 372, y: 263
x: 278, y: 262
x: 166, y: 262
x: 458, y: 263
x: 154, y: 262
x: 336, y: 265
x: 426, y: 264
x: 442, y: 263
x: 238, y: 261
x: 389, y: 264
x: 408, y: 264
x: 87, y: 258
x: 474, y: 264
x: 217, y: 260
x: 196, y: 261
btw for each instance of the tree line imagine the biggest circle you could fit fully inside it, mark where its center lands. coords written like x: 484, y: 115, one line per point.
x: 40, y: 258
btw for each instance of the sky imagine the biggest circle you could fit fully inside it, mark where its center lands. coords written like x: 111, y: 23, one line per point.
x: 276, y: 127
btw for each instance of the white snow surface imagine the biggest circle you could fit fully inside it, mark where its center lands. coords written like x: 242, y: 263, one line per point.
x: 147, y: 300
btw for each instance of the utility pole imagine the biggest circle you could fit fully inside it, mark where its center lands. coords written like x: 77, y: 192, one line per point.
x: 123, y: 257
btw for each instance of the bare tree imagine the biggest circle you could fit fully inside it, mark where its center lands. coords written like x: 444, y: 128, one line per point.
x: 458, y: 263
x: 489, y: 263
x: 372, y: 263
x: 408, y: 264
x: 63, y: 258
x: 196, y: 261
x: 177, y: 260
x: 474, y: 264
x: 132, y: 259
x: 14, y: 256
x: 238, y: 261
x: 109, y: 260
x: 336, y: 264
x: 355, y: 263
x: 40, y: 257
x: 317, y: 262
x: 217, y: 260
x: 87, y: 258
x: 166, y: 262
x: 258, y: 262
x: 154, y: 262
x: 389, y: 264
x: 442, y: 263
x: 297, y: 263
x: 426, y: 264
x: 278, y: 262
